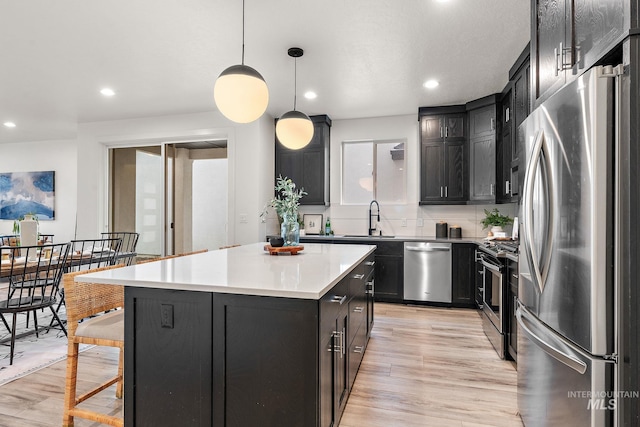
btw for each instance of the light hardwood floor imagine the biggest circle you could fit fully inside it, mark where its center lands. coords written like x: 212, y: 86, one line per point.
x: 423, y: 367
x: 428, y: 366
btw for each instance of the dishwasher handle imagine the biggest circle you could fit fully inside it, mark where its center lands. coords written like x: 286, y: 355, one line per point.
x: 419, y: 249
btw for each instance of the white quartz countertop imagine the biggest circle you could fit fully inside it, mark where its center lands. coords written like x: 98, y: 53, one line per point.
x: 246, y: 269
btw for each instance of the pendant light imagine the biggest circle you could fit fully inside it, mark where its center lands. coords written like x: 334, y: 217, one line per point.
x: 294, y: 129
x: 240, y: 92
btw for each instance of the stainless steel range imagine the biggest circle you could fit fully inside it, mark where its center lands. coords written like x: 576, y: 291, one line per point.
x: 491, y: 290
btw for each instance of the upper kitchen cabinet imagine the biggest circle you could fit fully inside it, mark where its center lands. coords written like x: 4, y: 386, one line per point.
x: 482, y: 148
x: 515, y: 108
x: 309, y: 166
x: 443, y: 161
x: 569, y: 36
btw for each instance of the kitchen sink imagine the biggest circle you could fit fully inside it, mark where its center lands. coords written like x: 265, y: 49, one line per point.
x: 369, y: 237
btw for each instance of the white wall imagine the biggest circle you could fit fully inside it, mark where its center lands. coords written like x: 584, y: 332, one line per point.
x: 82, y: 169
x: 58, y: 156
x: 354, y: 219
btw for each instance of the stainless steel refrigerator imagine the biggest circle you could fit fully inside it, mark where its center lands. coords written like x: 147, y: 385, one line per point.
x: 567, y: 289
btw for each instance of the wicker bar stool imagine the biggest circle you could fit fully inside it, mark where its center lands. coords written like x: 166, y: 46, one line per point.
x: 84, y: 300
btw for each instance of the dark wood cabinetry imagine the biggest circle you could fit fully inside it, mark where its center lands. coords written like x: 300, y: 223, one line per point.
x: 512, y: 322
x: 570, y: 36
x: 463, y: 275
x: 482, y: 148
x: 515, y: 108
x: 309, y: 166
x: 443, y: 151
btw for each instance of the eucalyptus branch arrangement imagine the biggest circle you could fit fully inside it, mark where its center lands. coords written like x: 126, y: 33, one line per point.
x: 287, y: 199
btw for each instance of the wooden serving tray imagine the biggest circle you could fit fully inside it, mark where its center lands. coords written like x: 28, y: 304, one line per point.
x: 293, y: 250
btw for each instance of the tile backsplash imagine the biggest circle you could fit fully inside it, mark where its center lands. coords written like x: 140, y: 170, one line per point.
x: 405, y: 220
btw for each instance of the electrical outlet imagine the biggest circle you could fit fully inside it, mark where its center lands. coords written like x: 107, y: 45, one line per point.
x: 166, y: 316
x: 420, y: 222
x: 404, y: 222
x: 244, y: 218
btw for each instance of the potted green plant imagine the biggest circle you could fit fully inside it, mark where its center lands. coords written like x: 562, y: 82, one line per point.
x: 495, y: 220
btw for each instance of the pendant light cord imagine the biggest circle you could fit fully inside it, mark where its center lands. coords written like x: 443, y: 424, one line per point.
x: 295, y: 82
x: 242, y: 32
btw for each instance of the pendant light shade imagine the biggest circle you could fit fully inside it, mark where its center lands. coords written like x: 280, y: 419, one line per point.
x: 240, y: 92
x: 294, y: 129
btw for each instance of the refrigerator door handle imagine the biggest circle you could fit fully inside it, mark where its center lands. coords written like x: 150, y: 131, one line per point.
x: 540, y: 267
x: 561, y: 356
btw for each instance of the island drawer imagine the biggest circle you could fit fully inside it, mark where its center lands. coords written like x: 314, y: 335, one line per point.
x: 333, y: 302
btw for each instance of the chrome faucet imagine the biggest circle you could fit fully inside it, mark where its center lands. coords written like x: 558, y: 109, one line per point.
x: 372, y: 227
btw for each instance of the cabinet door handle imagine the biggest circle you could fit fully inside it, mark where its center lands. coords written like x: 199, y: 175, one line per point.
x: 358, y: 349
x: 441, y: 191
x: 343, y: 336
x: 492, y: 189
x: 339, y: 346
x: 556, y: 55
x: 370, y: 263
x: 358, y: 276
x: 441, y: 132
x: 369, y: 287
x: 506, y: 115
x: 446, y: 132
x: 507, y: 187
x: 339, y: 299
x: 358, y: 309
x: 561, y: 62
x: 493, y: 124
x: 446, y: 191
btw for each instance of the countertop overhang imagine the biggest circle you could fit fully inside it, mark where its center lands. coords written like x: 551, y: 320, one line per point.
x: 245, y: 270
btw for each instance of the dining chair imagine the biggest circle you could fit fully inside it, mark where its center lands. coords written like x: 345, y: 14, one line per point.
x: 34, y: 275
x: 87, y: 254
x: 127, y: 252
x: 88, y: 323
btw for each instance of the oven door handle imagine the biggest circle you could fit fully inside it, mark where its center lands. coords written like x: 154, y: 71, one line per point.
x: 491, y: 266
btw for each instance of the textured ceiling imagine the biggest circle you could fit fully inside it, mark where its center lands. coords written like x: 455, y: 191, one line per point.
x: 364, y: 58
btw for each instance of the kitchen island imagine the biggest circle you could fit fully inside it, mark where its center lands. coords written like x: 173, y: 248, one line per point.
x: 237, y: 337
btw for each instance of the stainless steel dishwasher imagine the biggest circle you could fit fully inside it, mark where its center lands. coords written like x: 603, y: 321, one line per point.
x: 427, y: 271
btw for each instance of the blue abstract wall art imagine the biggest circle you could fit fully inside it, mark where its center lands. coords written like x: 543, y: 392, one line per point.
x: 27, y: 193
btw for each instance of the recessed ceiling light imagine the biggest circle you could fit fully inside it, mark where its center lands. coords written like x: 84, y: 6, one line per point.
x: 310, y: 95
x: 430, y: 84
x: 107, y: 92
x: 9, y: 124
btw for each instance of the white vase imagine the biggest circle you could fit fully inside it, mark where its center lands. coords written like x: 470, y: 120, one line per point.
x: 496, y: 229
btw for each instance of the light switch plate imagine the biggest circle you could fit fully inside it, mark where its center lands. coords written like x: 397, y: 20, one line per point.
x: 420, y: 222
x: 404, y: 222
x: 243, y: 218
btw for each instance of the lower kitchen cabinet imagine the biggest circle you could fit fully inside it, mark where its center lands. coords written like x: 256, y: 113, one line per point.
x: 389, y: 278
x: 463, y: 274
x: 512, y: 322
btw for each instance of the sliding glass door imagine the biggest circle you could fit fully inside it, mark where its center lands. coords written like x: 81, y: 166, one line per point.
x: 174, y: 195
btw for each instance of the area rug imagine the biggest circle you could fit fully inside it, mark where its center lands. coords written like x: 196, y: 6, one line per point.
x: 31, y: 353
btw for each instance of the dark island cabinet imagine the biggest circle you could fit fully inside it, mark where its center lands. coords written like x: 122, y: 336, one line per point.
x: 482, y: 148
x: 463, y: 274
x: 570, y: 36
x: 309, y: 166
x: 210, y: 359
x: 443, y: 158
